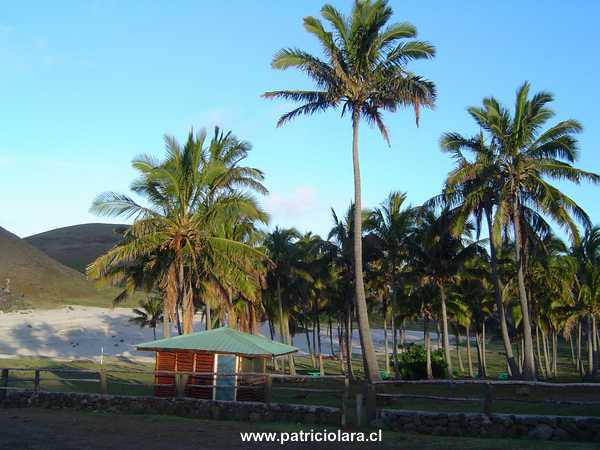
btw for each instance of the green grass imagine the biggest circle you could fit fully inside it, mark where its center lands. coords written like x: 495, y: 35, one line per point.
x: 132, y: 382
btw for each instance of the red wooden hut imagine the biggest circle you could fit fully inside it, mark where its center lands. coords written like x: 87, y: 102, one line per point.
x: 220, y: 357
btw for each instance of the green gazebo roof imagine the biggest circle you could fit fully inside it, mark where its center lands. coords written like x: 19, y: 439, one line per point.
x: 221, y: 340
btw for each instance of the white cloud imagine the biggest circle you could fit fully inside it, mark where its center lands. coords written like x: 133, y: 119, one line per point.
x: 297, y: 203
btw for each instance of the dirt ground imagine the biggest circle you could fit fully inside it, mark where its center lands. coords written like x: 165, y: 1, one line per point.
x: 38, y: 429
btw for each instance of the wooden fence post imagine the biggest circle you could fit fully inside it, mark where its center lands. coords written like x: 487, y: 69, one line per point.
x: 103, y: 382
x: 36, y: 381
x: 3, y: 383
x: 321, y: 368
x: 360, y: 413
x: 371, y: 402
x: 345, y: 398
x: 488, y: 398
x: 268, y: 389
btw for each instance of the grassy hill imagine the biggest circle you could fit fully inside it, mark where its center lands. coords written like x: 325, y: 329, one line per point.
x: 37, y: 280
x: 78, y: 245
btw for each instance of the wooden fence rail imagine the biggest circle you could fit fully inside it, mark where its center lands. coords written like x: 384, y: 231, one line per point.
x: 181, y: 381
x: 487, y: 398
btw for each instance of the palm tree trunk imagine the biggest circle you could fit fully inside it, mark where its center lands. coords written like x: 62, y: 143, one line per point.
x: 590, y: 345
x: 522, y: 357
x: 284, y: 327
x: 483, y: 351
x: 546, y: 355
x: 446, y: 340
x: 555, y: 353
x: 498, y: 296
x: 459, y: 357
x: 166, y: 322
x: 318, y: 344
x: 369, y: 357
x: 427, y: 339
x: 572, y: 349
x: 529, y: 363
x: 394, y: 340
x: 385, y: 337
x: 594, y: 347
x: 478, y: 341
x: 154, y: 331
x: 348, y: 343
x: 539, y: 355
x: 331, y: 336
x: 178, y: 320
x: 469, y: 357
x: 282, y: 334
x: 579, y: 343
x: 209, y: 318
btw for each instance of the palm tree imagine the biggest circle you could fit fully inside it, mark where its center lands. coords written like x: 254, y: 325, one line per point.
x: 364, y: 72
x: 392, y: 225
x: 149, y: 314
x: 178, y: 237
x: 526, y: 157
x: 284, y: 255
x: 473, y: 187
x: 587, y: 304
x: 438, y: 257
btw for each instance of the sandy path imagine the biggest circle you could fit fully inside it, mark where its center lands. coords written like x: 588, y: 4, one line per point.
x: 85, y: 332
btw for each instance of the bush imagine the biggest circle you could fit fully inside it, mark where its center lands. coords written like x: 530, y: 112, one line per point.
x: 413, y: 366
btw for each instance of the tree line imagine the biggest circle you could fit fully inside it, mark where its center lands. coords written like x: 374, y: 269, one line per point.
x: 481, y: 253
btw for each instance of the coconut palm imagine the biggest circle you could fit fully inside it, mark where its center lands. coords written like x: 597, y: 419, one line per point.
x: 177, y: 233
x: 476, y: 194
x: 587, y: 301
x: 437, y: 256
x: 364, y: 73
x: 526, y: 158
x: 391, y: 224
x: 149, y: 314
x: 285, y: 258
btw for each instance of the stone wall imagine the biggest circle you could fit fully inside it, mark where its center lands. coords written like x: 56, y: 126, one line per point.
x: 496, y: 425
x: 186, y: 407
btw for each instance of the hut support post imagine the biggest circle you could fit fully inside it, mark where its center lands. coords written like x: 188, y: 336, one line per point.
x: 268, y: 389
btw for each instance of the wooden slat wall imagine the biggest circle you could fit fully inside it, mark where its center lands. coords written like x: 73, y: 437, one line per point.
x: 203, y: 363
x: 165, y: 361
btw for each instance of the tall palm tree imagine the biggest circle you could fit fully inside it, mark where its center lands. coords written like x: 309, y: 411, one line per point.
x: 364, y: 72
x: 587, y: 303
x: 527, y: 158
x: 477, y: 194
x: 177, y: 234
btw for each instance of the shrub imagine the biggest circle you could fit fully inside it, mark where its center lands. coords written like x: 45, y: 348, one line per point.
x: 413, y: 366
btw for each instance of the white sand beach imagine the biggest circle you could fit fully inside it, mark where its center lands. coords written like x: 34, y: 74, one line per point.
x: 77, y: 332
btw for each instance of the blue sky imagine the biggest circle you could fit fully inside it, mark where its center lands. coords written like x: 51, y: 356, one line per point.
x: 87, y: 85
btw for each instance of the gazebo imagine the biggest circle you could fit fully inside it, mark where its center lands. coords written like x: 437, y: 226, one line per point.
x: 220, y: 357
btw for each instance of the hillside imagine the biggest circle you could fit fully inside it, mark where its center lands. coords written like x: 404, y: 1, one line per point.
x: 37, y: 278
x: 78, y: 245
